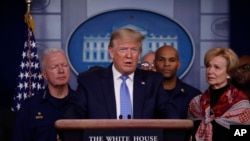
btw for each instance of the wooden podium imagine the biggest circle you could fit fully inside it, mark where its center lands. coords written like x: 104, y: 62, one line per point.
x: 168, y: 124
x: 127, y: 130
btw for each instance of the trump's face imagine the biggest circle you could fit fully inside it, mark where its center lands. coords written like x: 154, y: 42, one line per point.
x: 125, y: 55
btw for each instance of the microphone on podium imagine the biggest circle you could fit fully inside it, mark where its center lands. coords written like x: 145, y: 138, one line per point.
x: 129, y: 117
x: 120, y: 116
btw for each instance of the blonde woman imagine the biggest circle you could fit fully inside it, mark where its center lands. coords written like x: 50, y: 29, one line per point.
x: 222, y: 104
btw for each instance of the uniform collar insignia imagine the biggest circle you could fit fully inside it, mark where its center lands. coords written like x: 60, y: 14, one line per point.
x: 182, y: 90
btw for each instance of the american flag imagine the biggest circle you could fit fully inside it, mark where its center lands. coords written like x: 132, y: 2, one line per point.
x: 30, y: 80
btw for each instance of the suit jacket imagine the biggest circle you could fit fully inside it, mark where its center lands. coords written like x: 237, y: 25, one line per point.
x: 96, y: 96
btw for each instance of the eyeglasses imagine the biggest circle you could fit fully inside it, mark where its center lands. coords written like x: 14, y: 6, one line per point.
x: 147, y: 65
x: 244, y: 67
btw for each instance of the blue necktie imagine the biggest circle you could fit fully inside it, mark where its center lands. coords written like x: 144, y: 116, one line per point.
x: 126, y: 107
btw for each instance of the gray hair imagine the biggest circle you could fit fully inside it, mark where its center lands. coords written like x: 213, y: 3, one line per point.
x: 49, y: 51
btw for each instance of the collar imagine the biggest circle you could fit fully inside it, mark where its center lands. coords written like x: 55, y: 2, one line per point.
x: 47, y: 96
x: 117, y: 74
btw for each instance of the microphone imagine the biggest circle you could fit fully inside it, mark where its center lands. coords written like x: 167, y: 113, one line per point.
x: 129, y: 117
x: 120, y: 116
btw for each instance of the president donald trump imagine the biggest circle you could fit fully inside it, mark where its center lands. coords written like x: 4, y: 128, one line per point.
x: 99, y: 94
x: 122, y: 91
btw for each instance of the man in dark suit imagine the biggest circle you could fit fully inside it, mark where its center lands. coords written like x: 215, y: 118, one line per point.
x: 100, y: 99
x: 99, y: 90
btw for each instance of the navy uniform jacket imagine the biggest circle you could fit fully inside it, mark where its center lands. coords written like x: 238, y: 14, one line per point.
x: 97, y: 96
x: 36, y: 118
x: 182, y: 94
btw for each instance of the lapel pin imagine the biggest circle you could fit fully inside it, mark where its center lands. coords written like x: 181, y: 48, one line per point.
x: 182, y: 90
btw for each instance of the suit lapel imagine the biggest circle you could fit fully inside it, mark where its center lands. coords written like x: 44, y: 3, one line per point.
x: 138, y: 93
x: 109, y: 92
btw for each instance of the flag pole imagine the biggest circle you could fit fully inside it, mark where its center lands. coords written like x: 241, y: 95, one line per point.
x: 29, y: 21
x: 28, y: 17
x: 28, y: 2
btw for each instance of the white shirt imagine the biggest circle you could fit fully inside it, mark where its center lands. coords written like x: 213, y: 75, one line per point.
x: 117, y: 85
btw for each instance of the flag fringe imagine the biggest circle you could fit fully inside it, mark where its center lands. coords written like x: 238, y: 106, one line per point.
x: 29, y: 20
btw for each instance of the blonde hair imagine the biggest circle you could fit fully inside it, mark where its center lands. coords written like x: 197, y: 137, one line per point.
x: 227, y: 53
x: 126, y: 34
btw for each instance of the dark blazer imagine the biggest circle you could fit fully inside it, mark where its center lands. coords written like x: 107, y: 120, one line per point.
x: 96, y: 96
